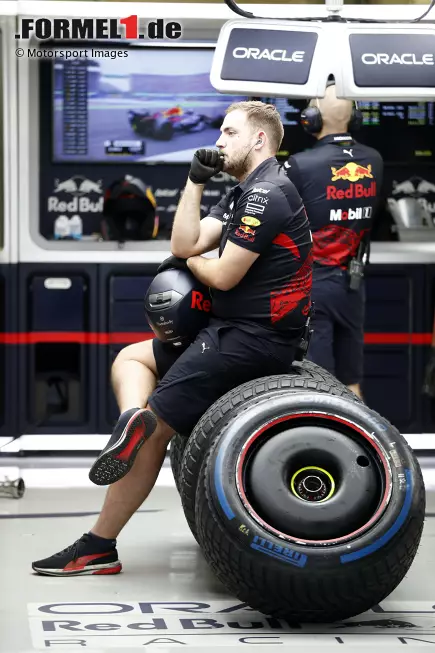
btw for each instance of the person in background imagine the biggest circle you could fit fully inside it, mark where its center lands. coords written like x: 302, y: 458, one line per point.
x: 340, y: 182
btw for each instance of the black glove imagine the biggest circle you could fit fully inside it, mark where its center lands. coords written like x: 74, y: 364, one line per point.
x: 205, y: 164
x: 171, y: 263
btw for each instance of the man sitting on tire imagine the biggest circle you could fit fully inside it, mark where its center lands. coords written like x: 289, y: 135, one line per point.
x: 261, y: 288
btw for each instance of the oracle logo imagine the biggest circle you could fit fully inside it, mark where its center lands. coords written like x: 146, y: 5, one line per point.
x: 272, y: 55
x: 375, y: 59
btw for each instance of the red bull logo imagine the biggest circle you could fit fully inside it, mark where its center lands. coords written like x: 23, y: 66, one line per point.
x: 352, y: 172
x: 247, y: 230
x: 354, y: 191
x: 246, y: 233
x: 78, y: 187
x: 173, y: 111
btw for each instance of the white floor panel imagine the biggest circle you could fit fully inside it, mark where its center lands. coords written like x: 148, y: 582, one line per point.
x: 95, y: 442
x: 166, y: 598
x: 61, y: 477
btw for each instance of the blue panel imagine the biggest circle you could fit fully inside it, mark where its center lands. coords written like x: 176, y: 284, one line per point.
x: 54, y: 309
x: 128, y: 316
x: 392, y: 370
x: 8, y: 351
x: 58, y: 380
x: 129, y: 287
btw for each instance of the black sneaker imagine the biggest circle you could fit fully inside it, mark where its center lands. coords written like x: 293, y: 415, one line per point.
x: 132, y: 429
x: 82, y: 557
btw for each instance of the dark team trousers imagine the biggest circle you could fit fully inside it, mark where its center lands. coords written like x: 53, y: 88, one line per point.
x: 337, y: 343
x: 221, y: 358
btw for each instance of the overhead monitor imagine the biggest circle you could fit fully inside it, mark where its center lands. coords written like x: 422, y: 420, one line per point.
x: 376, y: 61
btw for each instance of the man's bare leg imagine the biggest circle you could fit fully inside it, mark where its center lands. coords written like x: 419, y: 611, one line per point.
x: 134, y: 376
x: 355, y: 387
x: 125, y: 496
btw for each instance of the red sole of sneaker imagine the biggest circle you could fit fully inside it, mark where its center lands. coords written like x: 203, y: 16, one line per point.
x: 103, y: 572
x: 113, y: 465
x: 82, y: 572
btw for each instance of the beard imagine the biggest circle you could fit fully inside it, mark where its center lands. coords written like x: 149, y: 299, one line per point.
x: 239, y: 164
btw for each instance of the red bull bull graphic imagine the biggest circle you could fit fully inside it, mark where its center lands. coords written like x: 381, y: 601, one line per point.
x: 246, y: 233
x: 341, y: 173
x: 247, y: 230
x: 416, y: 187
x: 78, y: 187
x: 352, y: 172
x: 173, y: 111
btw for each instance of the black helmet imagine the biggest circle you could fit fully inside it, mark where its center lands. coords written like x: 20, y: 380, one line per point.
x: 129, y: 211
x: 177, y: 306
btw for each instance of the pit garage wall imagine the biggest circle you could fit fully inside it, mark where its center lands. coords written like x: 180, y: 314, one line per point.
x: 78, y: 304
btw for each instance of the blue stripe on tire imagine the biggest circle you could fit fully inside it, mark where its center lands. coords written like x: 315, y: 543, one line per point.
x: 367, y: 550
x: 218, y: 476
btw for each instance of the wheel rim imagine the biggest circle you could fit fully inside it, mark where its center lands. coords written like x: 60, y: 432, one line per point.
x: 312, y: 483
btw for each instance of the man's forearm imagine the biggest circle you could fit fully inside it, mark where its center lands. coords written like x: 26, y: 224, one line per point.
x: 205, y: 270
x: 186, y: 227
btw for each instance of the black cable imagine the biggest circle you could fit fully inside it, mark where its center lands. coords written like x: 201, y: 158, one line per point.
x: 425, y: 13
x: 237, y: 10
x: 324, y: 19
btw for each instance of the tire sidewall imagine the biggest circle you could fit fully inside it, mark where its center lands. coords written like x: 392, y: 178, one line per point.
x: 219, y: 475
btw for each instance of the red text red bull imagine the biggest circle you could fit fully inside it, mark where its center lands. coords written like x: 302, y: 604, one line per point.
x: 354, y: 191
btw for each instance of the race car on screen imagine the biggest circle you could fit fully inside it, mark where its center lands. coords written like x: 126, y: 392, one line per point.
x: 162, y: 124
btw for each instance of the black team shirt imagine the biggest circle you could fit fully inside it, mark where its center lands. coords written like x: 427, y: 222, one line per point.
x: 339, y: 181
x: 265, y: 214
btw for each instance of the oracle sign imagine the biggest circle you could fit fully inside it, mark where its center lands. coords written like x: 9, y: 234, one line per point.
x: 393, y: 60
x: 264, y: 55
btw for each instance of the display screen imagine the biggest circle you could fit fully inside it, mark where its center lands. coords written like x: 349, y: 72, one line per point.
x: 403, y: 132
x: 153, y: 104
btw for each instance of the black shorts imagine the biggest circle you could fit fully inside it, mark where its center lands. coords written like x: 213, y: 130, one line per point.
x: 221, y: 358
x: 337, y: 343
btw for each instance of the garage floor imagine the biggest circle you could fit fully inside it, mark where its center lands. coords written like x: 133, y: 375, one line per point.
x: 166, y: 589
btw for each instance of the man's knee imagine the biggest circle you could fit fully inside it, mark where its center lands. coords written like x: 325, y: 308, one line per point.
x: 141, y: 352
